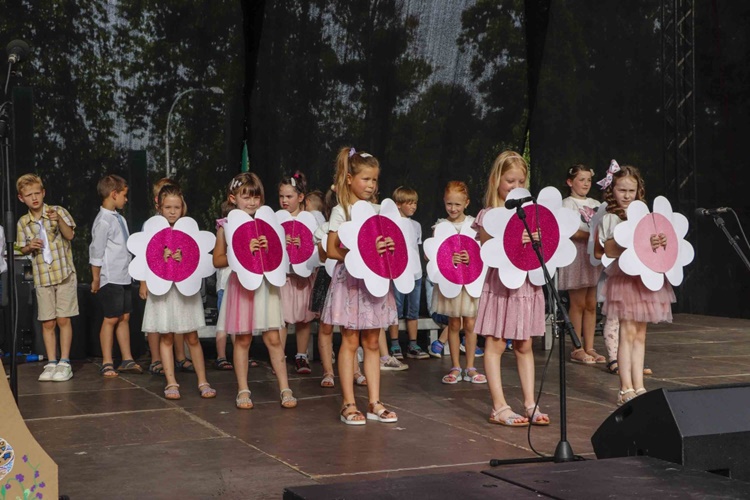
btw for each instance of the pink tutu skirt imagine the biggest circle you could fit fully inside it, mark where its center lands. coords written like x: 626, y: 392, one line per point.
x: 245, y: 312
x: 349, y: 304
x: 580, y: 273
x: 295, y: 299
x: 510, y: 314
x: 628, y: 298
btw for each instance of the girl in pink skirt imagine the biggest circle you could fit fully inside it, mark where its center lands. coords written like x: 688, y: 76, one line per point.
x: 505, y: 314
x: 580, y: 278
x: 349, y: 304
x: 295, y: 294
x: 627, y: 298
x: 245, y: 313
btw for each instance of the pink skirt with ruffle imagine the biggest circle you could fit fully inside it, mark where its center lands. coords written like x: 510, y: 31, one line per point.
x: 580, y: 273
x: 510, y: 314
x: 350, y: 305
x: 295, y: 299
x: 628, y: 298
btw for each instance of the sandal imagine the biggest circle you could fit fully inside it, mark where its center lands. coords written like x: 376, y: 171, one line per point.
x: 598, y: 358
x: 156, y: 368
x: 223, y: 364
x: 625, y: 396
x: 580, y: 356
x: 130, y: 366
x: 477, y: 378
x: 327, y: 380
x: 348, y: 418
x: 536, y: 417
x: 647, y: 371
x: 183, y: 366
x: 613, y: 368
x: 244, y: 402
x: 641, y: 391
x: 512, y: 420
x: 253, y: 363
x: 108, y: 371
x: 360, y: 379
x: 287, y: 398
x: 207, y: 392
x: 384, y: 415
x: 451, y: 378
x: 172, y: 391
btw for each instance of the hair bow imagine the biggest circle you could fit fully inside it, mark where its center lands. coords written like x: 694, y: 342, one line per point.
x: 352, y: 152
x: 235, y: 184
x: 613, y: 168
x: 293, y: 182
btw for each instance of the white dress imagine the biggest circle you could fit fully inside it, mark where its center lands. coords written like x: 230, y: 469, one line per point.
x: 173, y: 313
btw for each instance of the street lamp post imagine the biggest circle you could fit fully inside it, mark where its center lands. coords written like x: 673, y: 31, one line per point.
x: 215, y: 90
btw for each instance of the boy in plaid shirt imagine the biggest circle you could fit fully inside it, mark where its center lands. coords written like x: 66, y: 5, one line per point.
x: 45, y: 233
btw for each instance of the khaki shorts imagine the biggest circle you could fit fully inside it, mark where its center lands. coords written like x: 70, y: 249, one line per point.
x: 58, y: 301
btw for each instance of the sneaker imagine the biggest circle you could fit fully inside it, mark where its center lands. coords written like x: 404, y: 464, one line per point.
x: 49, y: 371
x: 392, y: 364
x: 416, y: 352
x: 436, y: 349
x: 508, y: 345
x: 395, y: 352
x: 478, y: 352
x: 63, y: 372
x: 302, y: 366
x: 360, y: 354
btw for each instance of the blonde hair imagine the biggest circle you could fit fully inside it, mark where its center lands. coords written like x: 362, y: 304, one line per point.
x: 505, y: 161
x: 350, y: 162
x: 27, y: 180
x: 171, y: 189
x: 404, y: 194
x: 246, y: 183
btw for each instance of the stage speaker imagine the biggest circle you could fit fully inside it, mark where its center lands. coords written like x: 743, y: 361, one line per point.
x: 704, y: 428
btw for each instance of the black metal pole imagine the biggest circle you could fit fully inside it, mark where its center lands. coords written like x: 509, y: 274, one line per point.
x: 563, y: 451
x: 732, y: 240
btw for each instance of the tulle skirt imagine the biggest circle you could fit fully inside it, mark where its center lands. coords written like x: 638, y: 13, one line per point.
x: 628, y: 298
x: 580, y: 273
x: 350, y: 305
x: 462, y: 305
x: 245, y: 312
x: 295, y: 299
x: 510, y: 314
x: 173, y: 313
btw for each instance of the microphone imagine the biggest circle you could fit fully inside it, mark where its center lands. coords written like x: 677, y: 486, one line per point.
x: 17, y: 51
x: 511, y: 204
x: 712, y: 211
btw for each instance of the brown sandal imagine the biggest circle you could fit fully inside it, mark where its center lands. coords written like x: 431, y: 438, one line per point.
x: 348, y: 418
x: 384, y: 415
x: 580, y: 356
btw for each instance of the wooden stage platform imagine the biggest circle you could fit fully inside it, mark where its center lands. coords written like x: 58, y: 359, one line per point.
x: 120, y: 439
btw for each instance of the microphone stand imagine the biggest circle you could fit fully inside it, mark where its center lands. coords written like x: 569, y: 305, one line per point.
x: 732, y: 240
x: 563, y: 451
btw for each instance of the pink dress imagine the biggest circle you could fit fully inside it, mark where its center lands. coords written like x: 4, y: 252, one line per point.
x: 505, y: 313
x: 580, y: 273
x: 295, y: 299
x: 627, y: 298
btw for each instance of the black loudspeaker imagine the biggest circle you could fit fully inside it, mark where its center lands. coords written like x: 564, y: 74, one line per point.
x: 704, y: 428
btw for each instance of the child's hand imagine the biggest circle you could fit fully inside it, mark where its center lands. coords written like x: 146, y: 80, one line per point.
x: 94, y: 285
x: 663, y: 240
x: 263, y: 242
x: 177, y: 255
x: 536, y: 236
x: 461, y: 257
x: 380, y: 245
x: 36, y: 244
x: 288, y: 240
x: 297, y: 242
x: 53, y: 215
x: 143, y: 290
x: 655, y: 242
x: 254, y: 245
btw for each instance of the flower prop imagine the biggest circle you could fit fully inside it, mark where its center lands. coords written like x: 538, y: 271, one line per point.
x: 330, y: 264
x: 164, y: 255
x: 7, y: 458
x: 640, y: 258
x: 455, y: 260
x: 513, y: 259
x: 594, y: 224
x: 363, y: 234
x: 300, y: 243
x: 255, y: 247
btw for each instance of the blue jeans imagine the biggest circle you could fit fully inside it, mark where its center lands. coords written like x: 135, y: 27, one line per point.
x: 412, y: 301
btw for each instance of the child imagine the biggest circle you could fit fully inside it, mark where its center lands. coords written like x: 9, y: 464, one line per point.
x: 222, y: 275
x: 349, y: 304
x: 45, y: 233
x: 250, y: 312
x: 109, y: 259
x: 315, y: 204
x: 504, y: 314
x: 463, y: 307
x: 406, y: 200
x: 173, y: 312
x: 627, y: 298
x: 295, y: 294
x: 580, y: 277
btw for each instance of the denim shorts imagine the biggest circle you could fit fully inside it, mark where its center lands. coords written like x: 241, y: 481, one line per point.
x: 411, y: 311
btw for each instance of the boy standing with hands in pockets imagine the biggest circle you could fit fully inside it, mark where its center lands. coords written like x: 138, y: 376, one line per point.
x: 109, y: 259
x: 45, y: 233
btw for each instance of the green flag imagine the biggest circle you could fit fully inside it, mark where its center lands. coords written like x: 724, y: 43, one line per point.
x: 245, y: 164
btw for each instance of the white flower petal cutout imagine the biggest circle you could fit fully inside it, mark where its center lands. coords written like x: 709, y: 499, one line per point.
x: 441, y: 249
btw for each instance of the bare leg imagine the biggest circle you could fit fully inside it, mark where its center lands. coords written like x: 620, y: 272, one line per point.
x: 525, y: 363
x: 179, y: 346
x: 282, y: 337
x: 383, y: 344
x: 444, y: 335
x: 369, y: 339
x: 588, y: 324
x: 153, y: 346
x: 454, y: 327
x: 493, y: 351
x: 240, y: 357
x: 628, y: 332
x: 411, y: 329
x: 66, y: 336
x: 302, y: 333
x: 196, y: 352
x: 577, y: 304
x: 637, y: 355
x: 50, y: 339
x: 471, y: 342
x: 221, y: 344
x: 106, y: 339
x: 123, y: 336
x: 347, y: 362
x: 166, y: 344
x: 272, y: 340
x: 325, y: 346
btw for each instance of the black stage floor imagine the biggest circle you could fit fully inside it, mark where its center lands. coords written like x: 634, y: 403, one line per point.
x: 121, y: 439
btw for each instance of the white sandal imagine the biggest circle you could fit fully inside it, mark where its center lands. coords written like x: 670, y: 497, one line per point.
x: 242, y: 402
x: 625, y: 396
x: 477, y: 378
x: 348, y: 418
x: 378, y: 415
x: 287, y: 399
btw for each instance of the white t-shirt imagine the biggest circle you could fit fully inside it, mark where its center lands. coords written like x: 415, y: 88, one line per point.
x: 585, y: 209
x: 338, y: 217
x: 458, y: 225
x: 608, y: 225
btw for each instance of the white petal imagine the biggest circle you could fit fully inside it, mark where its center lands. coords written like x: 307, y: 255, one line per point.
x: 536, y: 276
x: 248, y: 280
x: 496, y: 220
x: 277, y: 277
x: 155, y: 224
x: 551, y: 198
x: 330, y: 265
x: 680, y: 224
x: 567, y: 222
x: 636, y: 211
x: 565, y: 254
x: 449, y: 289
x: 493, y: 253
x: 284, y: 216
x: 378, y: 286
x: 187, y: 225
x: 475, y: 287
x: 404, y: 283
x: 624, y: 232
x: 675, y: 275
x: 137, y: 242
x: 687, y: 253
x: 630, y: 263
x: 355, y: 266
x: 190, y: 286
x: 157, y: 285
x: 138, y: 268
x: 662, y: 206
x: 653, y: 281
x: 512, y: 277
x: 430, y: 247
